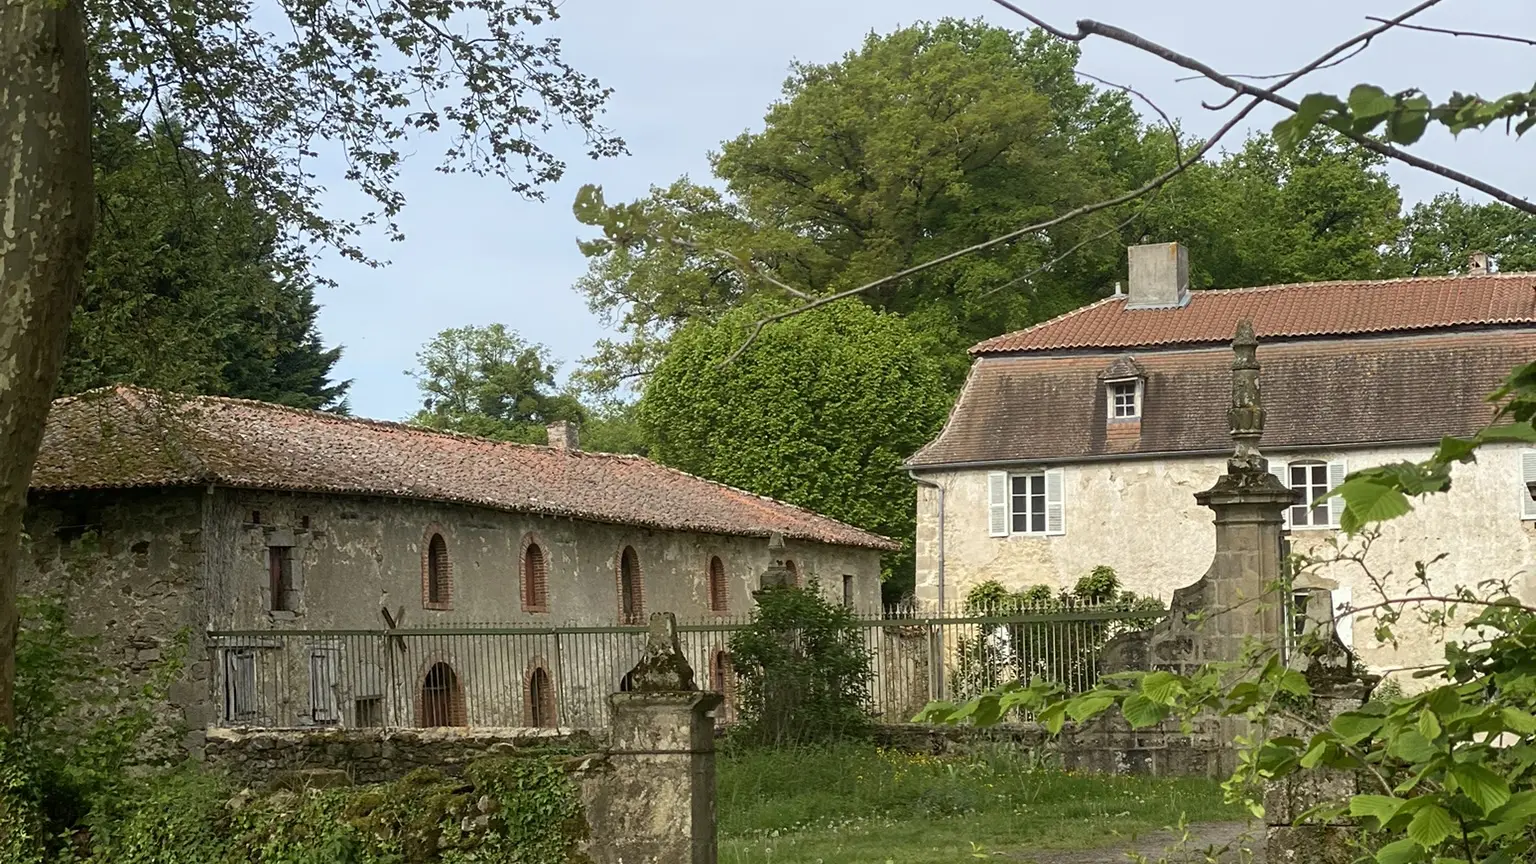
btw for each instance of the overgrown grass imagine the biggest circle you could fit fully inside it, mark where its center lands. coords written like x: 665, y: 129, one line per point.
x: 857, y: 803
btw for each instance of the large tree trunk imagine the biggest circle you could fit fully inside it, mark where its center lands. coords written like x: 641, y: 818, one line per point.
x: 46, y: 216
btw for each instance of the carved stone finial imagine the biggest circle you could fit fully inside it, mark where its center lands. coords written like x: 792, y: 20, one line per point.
x: 777, y: 575
x: 1246, y: 416
x: 662, y: 668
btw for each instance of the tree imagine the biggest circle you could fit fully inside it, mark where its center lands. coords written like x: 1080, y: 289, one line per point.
x: 919, y: 143
x: 487, y: 381
x: 819, y: 413
x: 1442, y: 233
x: 1265, y: 216
x: 187, y: 287
x: 259, y: 106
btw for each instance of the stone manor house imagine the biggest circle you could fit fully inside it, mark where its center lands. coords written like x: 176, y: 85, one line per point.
x: 155, y: 512
x: 1082, y: 440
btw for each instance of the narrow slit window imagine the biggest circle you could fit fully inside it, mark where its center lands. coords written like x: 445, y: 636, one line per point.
x: 280, y: 572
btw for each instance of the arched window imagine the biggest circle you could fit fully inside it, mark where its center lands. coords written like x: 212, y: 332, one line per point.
x: 718, y: 599
x: 535, y: 579
x: 794, y: 571
x: 539, y: 697
x: 437, y: 574
x: 631, y: 588
x: 722, y: 680
x: 442, y: 699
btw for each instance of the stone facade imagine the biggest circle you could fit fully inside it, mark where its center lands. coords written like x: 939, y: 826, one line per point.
x: 1140, y: 517
x: 139, y: 567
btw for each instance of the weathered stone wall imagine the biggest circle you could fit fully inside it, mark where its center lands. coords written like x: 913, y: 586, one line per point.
x: 353, y: 556
x: 1140, y: 517
x: 258, y: 757
x: 130, y: 568
x: 1106, y: 745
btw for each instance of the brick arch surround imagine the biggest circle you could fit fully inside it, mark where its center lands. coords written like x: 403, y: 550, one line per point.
x: 440, y: 696
x: 717, y: 585
x: 540, y: 707
x: 629, y: 579
x: 436, y: 570
x: 722, y: 680
x: 533, y: 573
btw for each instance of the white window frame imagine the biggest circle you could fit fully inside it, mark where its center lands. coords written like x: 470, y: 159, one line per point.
x: 1109, y: 399
x: 1527, y: 476
x: 1335, y: 471
x: 1000, y: 511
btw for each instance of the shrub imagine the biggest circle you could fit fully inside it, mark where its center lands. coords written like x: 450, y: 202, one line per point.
x: 1063, y: 652
x: 803, y: 669
x: 81, y: 730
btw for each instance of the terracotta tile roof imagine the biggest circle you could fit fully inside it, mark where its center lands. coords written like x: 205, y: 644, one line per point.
x: 1311, y: 309
x: 1352, y: 391
x: 125, y: 437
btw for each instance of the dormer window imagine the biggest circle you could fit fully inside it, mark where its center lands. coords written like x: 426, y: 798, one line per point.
x: 1124, y: 400
x: 1124, y: 388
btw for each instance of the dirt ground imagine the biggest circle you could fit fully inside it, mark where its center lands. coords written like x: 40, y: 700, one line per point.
x: 1204, y: 838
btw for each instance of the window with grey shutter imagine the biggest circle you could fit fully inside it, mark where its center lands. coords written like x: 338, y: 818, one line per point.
x: 239, y: 685
x: 997, y: 504
x: 322, y: 685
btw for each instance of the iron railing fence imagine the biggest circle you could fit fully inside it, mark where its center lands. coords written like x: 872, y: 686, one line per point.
x: 499, y: 676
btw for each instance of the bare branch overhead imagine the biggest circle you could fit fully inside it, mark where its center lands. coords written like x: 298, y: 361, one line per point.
x: 1469, y: 33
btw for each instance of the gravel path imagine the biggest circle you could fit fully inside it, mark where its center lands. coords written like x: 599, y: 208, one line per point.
x: 1154, y: 846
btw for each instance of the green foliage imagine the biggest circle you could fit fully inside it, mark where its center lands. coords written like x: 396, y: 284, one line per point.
x: 1262, y: 215
x: 855, y: 803
x: 487, y: 381
x: 1442, y: 233
x: 1048, y: 644
x: 80, y: 728
x: 918, y: 143
x: 263, y: 96
x: 819, y: 412
x: 505, y: 809
x: 188, y: 286
x: 1402, y: 117
x: 803, y: 671
x: 614, y: 427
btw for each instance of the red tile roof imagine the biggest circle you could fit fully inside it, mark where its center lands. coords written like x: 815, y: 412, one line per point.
x: 1277, y: 311
x: 125, y: 437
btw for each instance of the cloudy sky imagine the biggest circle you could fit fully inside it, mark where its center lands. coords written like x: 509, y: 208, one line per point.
x: 688, y: 74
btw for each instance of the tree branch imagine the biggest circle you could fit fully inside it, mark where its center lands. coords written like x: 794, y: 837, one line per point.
x: 1469, y: 33
x: 1329, y: 65
x: 1088, y: 27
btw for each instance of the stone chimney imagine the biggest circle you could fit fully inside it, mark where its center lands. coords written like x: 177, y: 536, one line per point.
x: 564, y: 435
x: 1477, y: 263
x: 1159, y: 276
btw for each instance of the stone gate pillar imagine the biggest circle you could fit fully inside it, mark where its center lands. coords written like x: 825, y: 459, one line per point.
x: 657, y: 804
x: 1241, y: 593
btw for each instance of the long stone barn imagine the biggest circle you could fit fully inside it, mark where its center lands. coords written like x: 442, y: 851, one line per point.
x: 154, y: 514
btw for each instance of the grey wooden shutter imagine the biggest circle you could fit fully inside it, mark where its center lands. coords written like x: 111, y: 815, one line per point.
x: 997, y: 504
x: 322, y: 685
x: 1336, y: 474
x: 1055, y: 511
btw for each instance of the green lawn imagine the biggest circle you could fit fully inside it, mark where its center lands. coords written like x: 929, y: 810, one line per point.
x: 860, y: 804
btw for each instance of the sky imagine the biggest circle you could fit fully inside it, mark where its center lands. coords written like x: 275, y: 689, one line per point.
x: 688, y: 74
